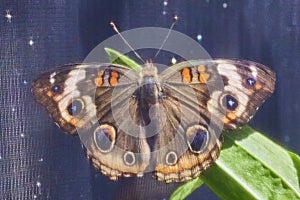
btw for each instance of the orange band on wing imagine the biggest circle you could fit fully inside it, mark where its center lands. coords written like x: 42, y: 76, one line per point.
x: 114, y: 78
x: 250, y: 91
x: 186, y: 75
x: 49, y: 94
x: 231, y: 116
x: 75, y: 122
x: 226, y: 120
x: 99, y: 78
x: 258, y: 86
x: 203, y: 75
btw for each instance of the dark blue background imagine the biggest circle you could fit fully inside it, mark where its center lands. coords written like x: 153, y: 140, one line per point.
x: 38, y: 161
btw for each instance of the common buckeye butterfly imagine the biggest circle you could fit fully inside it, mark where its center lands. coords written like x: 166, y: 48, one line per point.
x: 169, y: 123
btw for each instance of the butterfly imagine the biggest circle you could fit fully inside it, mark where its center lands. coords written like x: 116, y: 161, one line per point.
x: 168, y: 123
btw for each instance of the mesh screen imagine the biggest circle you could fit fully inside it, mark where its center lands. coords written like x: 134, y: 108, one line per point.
x: 38, y: 161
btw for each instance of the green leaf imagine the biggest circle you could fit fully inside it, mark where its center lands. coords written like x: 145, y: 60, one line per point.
x: 186, y: 189
x: 116, y: 57
x: 250, y: 165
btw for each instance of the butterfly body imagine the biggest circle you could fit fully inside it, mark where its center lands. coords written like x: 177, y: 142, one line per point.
x: 168, y: 123
x: 150, y: 89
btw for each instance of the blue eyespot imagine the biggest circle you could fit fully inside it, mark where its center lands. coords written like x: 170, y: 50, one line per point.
x: 103, y: 139
x: 129, y: 158
x: 75, y: 107
x: 55, y: 89
x: 250, y: 81
x: 171, y: 158
x: 199, y: 139
x: 230, y: 102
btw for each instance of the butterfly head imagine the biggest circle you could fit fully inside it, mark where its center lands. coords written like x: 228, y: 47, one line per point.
x: 149, y: 69
x: 149, y: 85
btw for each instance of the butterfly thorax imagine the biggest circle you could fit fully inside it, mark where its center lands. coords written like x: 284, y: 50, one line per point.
x: 149, y: 87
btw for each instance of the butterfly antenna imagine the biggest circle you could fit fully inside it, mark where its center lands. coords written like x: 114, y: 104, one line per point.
x: 125, y: 41
x: 167, y: 36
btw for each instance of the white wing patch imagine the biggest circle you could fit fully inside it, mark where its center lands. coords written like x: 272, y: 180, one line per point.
x: 254, y: 71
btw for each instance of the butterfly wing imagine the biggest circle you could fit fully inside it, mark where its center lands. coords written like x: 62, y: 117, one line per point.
x: 58, y: 90
x: 236, y: 88
x: 198, y: 100
x: 94, y: 101
x: 202, y: 99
